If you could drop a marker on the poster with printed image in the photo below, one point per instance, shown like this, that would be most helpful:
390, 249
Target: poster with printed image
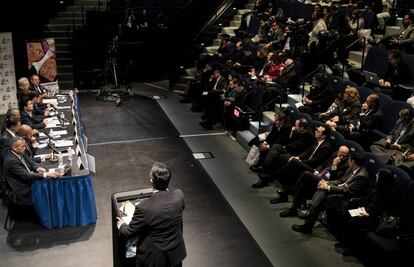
41, 59
7, 74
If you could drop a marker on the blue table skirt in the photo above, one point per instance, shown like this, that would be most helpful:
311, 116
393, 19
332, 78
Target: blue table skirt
64, 201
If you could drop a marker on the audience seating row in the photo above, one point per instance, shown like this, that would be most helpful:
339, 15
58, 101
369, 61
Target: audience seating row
381, 247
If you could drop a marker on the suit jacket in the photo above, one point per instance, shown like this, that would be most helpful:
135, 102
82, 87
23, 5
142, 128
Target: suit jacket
371, 121
4, 145
158, 223
19, 178
279, 135
221, 85
406, 35
299, 143
336, 174
321, 99
407, 139
358, 185
34, 121
319, 156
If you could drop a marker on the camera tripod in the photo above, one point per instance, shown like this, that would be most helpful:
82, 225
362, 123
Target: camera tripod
112, 93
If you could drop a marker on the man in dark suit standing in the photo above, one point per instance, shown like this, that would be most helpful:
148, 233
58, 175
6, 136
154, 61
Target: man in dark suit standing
354, 183
20, 172
158, 223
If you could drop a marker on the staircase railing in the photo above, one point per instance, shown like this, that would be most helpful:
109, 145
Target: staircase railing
216, 15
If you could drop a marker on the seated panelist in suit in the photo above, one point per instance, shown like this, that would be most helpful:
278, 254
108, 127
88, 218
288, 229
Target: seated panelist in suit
19, 172
28, 117
36, 86
158, 223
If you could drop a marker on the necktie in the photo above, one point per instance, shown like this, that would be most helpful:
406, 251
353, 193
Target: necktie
325, 171
348, 178
25, 164
314, 151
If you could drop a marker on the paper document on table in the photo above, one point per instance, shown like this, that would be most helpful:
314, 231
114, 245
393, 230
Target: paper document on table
40, 146
53, 120
63, 132
64, 107
63, 143
52, 125
52, 101
356, 212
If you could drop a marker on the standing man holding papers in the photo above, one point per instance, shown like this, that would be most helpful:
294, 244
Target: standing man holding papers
158, 224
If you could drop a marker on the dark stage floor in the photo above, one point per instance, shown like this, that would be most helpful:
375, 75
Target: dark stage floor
126, 141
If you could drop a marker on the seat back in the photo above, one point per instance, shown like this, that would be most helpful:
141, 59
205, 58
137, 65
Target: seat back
385, 101
306, 116
353, 146
337, 139
336, 83
408, 61
364, 92
391, 115
377, 60
373, 163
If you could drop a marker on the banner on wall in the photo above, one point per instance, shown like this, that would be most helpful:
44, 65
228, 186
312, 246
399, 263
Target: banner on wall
7, 74
41, 57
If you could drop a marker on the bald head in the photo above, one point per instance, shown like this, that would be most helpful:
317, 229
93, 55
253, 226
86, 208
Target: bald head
25, 131
344, 150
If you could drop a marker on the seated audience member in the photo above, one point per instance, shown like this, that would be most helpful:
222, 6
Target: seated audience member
397, 73
404, 39
299, 140
306, 161
26, 132
216, 87
399, 140
275, 37
332, 169
195, 88
278, 134
348, 110
382, 201
225, 108
360, 130
27, 116
19, 172
225, 50
319, 98
332, 109
288, 81
354, 183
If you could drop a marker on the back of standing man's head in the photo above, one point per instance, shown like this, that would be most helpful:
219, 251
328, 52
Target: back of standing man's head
160, 176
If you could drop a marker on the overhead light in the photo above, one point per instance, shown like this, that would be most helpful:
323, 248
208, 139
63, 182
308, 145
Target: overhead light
61, 2
181, 67
202, 44
234, 8
220, 24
